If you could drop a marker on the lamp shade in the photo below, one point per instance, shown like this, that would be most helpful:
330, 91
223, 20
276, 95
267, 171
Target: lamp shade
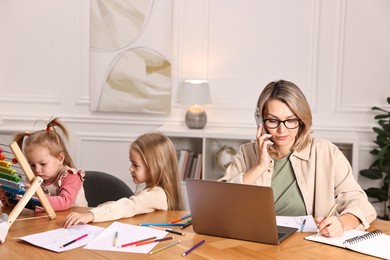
194, 92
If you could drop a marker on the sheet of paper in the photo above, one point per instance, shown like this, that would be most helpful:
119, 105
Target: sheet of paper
127, 233
54, 239
296, 222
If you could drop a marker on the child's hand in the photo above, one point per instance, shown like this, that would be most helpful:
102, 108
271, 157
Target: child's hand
4, 199
78, 218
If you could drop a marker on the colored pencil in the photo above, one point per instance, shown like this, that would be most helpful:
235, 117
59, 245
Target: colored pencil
138, 241
162, 224
153, 241
303, 225
164, 247
74, 240
181, 218
192, 248
169, 230
186, 225
115, 238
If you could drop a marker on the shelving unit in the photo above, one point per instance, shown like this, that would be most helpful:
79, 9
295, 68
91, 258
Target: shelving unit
210, 140
207, 141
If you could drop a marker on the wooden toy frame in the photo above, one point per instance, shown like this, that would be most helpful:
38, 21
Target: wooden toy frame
35, 187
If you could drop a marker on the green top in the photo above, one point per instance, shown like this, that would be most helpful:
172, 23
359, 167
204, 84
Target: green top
287, 196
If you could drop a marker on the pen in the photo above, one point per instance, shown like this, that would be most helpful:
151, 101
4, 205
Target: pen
153, 241
303, 225
332, 210
163, 224
192, 248
165, 247
74, 240
138, 241
115, 238
169, 230
181, 218
186, 225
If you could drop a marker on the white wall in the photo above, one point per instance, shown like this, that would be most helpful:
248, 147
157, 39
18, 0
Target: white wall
337, 51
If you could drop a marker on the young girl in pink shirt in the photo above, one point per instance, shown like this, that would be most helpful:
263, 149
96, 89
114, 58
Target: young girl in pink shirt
48, 158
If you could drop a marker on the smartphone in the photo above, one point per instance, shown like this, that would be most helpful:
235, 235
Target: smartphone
259, 121
258, 117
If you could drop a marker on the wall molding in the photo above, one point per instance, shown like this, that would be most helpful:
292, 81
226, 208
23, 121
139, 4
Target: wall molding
314, 54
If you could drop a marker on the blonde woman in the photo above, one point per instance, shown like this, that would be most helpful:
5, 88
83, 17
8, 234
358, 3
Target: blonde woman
308, 175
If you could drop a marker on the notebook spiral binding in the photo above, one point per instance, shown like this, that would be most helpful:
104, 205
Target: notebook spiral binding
363, 237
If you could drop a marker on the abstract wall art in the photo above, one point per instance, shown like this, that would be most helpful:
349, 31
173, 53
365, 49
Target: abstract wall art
130, 53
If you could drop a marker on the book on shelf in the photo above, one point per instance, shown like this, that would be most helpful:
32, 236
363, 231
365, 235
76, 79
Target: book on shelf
193, 167
188, 164
198, 168
182, 161
373, 243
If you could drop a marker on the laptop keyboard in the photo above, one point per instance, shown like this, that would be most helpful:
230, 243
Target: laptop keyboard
280, 235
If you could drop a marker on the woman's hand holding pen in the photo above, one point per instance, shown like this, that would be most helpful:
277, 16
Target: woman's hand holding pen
330, 227
335, 226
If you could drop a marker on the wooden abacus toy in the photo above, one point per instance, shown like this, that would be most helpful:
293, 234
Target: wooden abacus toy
10, 182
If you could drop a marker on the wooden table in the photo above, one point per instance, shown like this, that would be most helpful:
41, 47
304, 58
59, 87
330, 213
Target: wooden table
295, 247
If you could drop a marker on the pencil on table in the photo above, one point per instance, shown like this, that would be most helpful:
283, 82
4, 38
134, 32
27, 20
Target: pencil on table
74, 240
164, 247
192, 248
169, 230
186, 225
138, 241
162, 224
153, 241
303, 225
115, 238
181, 218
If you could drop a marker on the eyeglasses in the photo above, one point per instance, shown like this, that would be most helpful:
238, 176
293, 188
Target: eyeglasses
289, 123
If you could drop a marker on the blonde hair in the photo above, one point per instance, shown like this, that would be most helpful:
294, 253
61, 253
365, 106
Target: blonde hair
159, 154
288, 93
48, 138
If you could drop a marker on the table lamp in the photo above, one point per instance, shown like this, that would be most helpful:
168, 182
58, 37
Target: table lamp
195, 93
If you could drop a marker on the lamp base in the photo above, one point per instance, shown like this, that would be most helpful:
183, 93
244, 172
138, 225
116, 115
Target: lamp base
196, 120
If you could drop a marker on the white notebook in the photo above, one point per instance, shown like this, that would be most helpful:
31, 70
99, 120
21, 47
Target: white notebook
373, 243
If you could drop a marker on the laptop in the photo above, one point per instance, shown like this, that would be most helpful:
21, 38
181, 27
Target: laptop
237, 211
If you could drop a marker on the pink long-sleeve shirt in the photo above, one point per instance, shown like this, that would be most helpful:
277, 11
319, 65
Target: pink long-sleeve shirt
67, 190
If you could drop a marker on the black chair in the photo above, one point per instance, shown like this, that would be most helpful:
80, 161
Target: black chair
101, 187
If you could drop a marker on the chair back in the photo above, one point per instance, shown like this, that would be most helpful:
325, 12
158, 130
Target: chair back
100, 187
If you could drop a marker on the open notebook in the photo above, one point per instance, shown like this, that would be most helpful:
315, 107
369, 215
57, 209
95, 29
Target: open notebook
373, 243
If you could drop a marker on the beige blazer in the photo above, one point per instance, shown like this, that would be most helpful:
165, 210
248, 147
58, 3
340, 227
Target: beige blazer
323, 174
